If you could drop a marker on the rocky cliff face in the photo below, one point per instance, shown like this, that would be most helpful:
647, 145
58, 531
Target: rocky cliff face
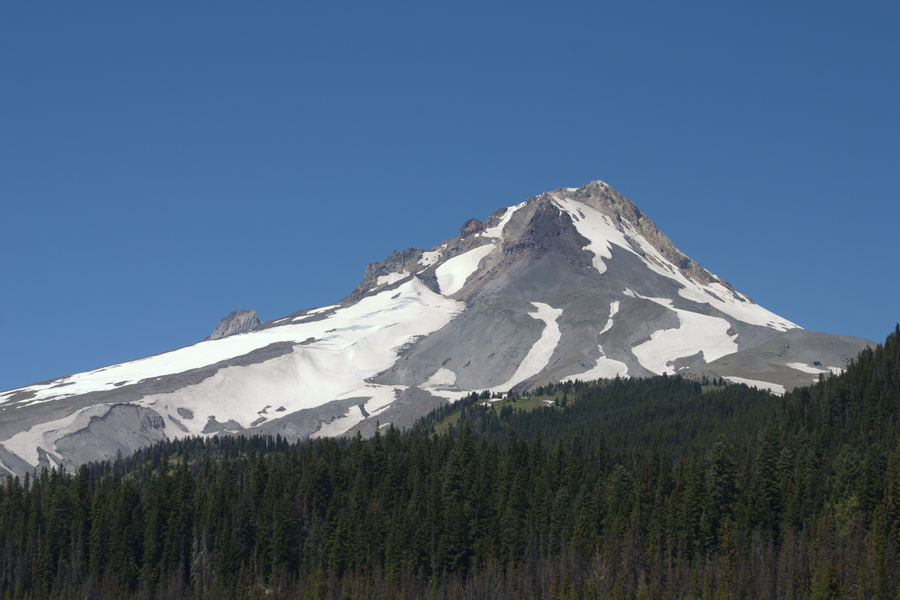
240, 321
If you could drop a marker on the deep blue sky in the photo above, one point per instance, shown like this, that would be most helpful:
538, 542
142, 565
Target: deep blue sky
162, 164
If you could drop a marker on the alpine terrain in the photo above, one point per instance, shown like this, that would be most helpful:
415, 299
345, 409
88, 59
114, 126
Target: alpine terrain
571, 284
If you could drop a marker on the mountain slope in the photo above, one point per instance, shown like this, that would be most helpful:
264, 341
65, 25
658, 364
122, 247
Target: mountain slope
576, 283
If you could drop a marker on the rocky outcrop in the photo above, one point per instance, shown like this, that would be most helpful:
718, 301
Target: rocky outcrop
398, 263
240, 321
471, 226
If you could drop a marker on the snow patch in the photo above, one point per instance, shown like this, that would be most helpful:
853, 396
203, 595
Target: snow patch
805, 368
350, 346
695, 333
443, 377
497, 230
44, 435
597, 228
429, 258
601, 232
452, 275
613, 309
316, 311
340, 425
732, 305
391, 278
382, 397
776, 389
539, 355
606, 368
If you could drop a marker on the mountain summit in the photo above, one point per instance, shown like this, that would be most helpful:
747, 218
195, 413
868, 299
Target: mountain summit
574, 283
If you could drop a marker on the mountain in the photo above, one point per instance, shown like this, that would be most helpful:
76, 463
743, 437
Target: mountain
571, 284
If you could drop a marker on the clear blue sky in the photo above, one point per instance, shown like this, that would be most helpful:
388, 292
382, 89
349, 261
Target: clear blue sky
165, 163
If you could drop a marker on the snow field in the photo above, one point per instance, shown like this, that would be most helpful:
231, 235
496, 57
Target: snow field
429, 258
339, 426
613, 309
606, 368
599, 229
539, 355
351, 345
442, 377
696, 333
452, 275
497, 231
746, 311
805, 368
391, 278
322, 309
25, 443
596, 227
733, 305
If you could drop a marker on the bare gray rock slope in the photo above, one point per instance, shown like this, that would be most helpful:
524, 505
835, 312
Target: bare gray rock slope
574, 283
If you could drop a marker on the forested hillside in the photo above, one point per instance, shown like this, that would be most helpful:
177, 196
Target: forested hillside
659, 488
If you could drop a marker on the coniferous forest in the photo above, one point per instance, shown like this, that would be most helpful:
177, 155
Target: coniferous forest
656, 488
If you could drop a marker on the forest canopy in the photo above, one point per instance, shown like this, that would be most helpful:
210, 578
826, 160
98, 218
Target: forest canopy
639, 488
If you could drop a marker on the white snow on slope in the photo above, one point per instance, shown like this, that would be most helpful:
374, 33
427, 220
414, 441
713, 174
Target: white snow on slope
733, 304
763, 385
539, 355
725, 301
347, 324
339, 426
443, 377
805, 368
321, 309
350, 345
606, 368
391, 278
431, 257
497, 230
599, 229
25, 443
452, 275
613, 309
596, 227
695, 333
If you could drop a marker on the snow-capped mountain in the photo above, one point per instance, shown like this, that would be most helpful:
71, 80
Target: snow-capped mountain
572, 284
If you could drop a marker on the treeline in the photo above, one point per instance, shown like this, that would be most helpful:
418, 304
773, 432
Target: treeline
626, 492
677, 414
